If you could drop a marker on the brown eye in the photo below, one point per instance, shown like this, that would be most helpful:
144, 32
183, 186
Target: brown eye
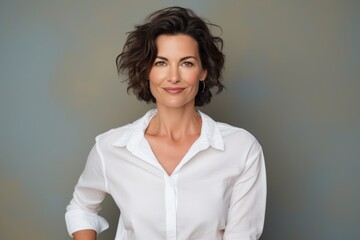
160, 63
188, 64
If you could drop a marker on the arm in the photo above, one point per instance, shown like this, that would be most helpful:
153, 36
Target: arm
85, 235
82, 212
247, 205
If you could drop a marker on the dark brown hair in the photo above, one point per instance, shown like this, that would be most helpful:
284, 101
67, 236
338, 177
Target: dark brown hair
140, 51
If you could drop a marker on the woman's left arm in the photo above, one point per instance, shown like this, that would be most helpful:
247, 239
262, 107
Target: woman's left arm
247, 205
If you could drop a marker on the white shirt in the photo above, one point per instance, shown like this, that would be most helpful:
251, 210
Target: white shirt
217, 191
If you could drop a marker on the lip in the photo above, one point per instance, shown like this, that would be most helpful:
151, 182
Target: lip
173, 90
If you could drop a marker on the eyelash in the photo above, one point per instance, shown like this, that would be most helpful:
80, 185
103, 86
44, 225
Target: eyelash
188, 64
159, 63
163, 63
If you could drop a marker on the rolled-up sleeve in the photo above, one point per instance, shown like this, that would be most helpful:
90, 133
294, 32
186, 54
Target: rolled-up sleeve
247, 205
89, 192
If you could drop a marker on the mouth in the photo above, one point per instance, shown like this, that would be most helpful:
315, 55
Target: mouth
173, 90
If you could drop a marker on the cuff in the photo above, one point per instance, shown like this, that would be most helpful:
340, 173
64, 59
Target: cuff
78, 219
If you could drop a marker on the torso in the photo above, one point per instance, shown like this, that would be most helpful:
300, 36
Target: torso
148, 199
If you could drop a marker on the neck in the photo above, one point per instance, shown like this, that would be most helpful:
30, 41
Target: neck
175, 123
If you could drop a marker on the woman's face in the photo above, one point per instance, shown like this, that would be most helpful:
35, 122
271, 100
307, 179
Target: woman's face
176, 72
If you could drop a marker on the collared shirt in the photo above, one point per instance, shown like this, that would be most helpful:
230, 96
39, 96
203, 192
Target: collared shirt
217, 191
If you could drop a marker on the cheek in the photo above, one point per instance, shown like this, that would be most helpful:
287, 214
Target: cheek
151, 76
157, 75
153, 90
192, 78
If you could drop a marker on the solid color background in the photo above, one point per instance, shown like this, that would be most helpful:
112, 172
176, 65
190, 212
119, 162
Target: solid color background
292, 77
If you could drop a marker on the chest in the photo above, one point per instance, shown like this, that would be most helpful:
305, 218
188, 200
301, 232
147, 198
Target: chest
196, 197
194, 200
170, 153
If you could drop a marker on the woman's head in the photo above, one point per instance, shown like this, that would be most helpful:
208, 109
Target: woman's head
140, 51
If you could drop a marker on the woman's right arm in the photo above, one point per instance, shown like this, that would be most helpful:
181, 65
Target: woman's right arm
87, 234
82, 219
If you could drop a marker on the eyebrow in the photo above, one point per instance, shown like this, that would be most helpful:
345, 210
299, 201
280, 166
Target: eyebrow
181, 59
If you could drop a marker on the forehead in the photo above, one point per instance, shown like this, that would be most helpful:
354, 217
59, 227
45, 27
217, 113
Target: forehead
179, 44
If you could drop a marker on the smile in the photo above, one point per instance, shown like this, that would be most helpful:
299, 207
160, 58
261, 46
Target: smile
174, 90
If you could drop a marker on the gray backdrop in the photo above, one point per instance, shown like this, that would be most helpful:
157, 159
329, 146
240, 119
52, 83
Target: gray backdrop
292, 77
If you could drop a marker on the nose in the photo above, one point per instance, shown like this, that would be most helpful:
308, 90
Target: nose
174, 75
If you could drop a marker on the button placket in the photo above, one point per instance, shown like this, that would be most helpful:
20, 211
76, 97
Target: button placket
170, 202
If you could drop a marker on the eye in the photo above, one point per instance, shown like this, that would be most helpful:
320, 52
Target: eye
160, 63
187, 64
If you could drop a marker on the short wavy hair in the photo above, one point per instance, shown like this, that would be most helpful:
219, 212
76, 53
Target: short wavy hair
140, 51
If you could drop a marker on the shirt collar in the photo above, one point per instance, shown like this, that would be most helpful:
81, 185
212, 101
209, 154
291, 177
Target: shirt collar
210, 132
131, 135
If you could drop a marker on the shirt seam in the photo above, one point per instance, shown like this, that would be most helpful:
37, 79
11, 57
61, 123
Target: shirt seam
255, 142
103, 165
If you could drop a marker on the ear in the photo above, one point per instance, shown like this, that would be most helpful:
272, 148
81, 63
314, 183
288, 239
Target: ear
203, 74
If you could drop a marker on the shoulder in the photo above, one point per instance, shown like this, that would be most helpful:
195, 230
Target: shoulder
233, 135
228, 130
114, 134
229, 134
120, 136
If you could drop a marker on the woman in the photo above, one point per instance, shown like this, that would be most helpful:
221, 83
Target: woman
174, 173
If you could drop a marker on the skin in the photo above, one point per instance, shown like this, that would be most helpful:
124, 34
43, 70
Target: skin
87, 234
174, 82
